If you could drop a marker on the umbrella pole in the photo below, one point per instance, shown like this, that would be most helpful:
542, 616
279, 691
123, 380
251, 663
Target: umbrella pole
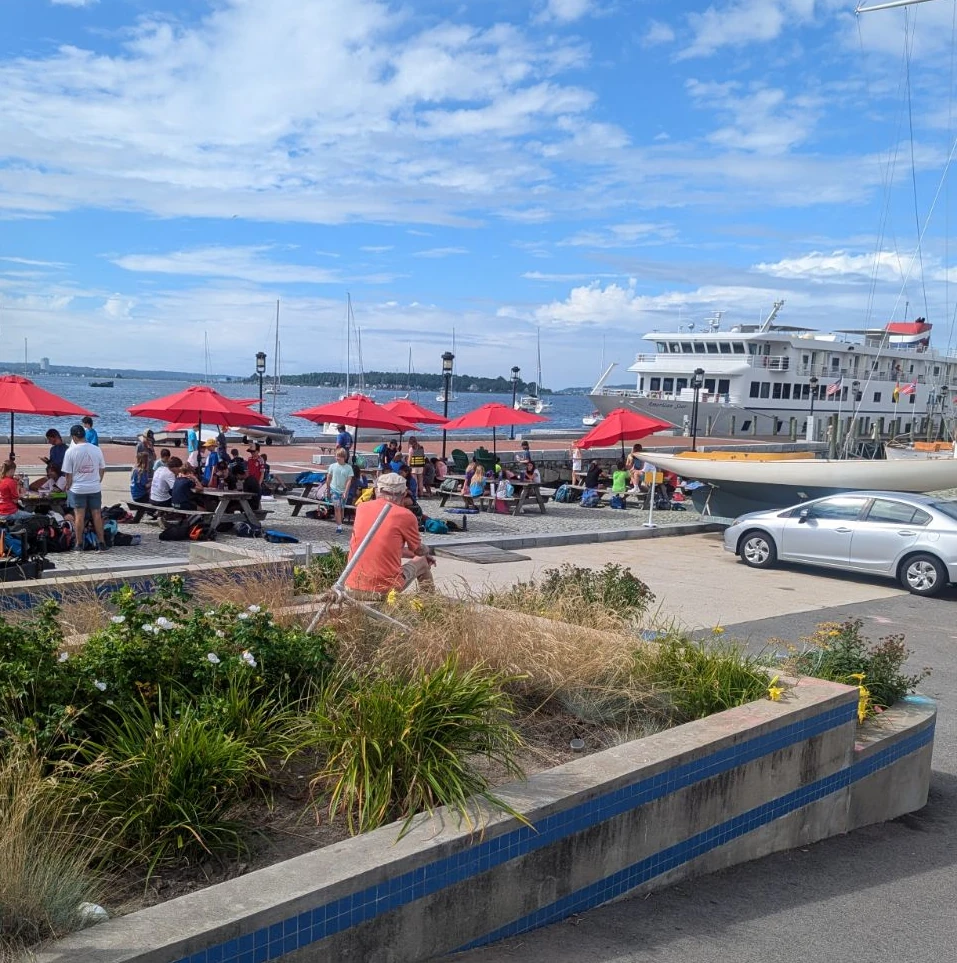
494, 446
13, 454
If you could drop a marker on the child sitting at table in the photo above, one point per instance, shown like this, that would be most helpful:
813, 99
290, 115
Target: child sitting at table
52, 481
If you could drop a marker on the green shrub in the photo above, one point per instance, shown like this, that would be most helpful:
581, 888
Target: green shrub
691, 679
163, 784
395, 746
321, 573
45, 856
606, 598
838, 652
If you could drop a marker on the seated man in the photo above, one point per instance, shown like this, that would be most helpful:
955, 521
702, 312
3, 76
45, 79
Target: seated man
396, 557
593, 476
53, 481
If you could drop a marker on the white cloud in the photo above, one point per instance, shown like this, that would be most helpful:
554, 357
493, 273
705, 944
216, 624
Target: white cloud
74, 3
376, 248
621, 235
364, 117
658, 33
839, 265
30, 262
246, 263
436, 252
565, 11
118, 307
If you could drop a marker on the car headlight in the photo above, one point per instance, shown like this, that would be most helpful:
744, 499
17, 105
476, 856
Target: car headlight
737, 521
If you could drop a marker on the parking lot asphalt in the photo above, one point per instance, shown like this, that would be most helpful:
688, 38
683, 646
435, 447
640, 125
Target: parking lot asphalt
883, 892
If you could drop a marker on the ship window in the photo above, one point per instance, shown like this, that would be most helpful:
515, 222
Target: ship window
907, 427
655, 384
724, 386
805, 392
752, 348
674, 347
755, 387
641, 384
699, 347
746, 425
712, 347
765, 389
681, 384
911, 369
844, 394
912, 398
686, 347
668, 385
725, 348
786, 392
877, 396
835, 363
737, 347
709, 386
776, 393
936, 369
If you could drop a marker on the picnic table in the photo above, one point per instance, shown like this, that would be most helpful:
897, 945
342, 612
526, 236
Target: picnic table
525, 490
224, 497
624, 496
32, 500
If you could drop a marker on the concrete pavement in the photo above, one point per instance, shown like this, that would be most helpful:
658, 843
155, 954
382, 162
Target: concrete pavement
885, 892
695, 581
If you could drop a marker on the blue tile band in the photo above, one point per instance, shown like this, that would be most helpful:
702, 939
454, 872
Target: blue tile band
279, 939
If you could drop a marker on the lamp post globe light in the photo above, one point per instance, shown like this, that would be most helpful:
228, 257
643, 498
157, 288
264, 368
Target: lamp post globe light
515, 373
697, 383
447, 360
809, 435
260, 371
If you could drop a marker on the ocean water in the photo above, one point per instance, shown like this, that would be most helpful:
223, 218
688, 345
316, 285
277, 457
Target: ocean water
110, 404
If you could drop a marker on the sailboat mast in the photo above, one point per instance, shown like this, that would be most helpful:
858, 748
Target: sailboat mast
538, 377
275, 368
349, 321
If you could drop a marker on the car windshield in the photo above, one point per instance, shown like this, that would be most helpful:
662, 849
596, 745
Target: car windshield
947, 508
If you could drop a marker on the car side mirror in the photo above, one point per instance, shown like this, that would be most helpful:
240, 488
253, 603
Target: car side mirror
803, 515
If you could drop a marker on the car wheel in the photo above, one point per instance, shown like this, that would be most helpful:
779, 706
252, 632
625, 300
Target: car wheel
923, 574
268, 441
757, 549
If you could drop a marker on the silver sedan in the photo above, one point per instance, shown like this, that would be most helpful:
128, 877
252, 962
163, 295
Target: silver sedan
911, 538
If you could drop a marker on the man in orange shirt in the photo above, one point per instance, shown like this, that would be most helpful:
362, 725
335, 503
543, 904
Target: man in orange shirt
396, 557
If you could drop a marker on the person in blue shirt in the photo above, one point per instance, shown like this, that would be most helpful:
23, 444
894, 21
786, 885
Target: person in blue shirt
212, 460
57, 448
92, 438
344, 439
192, 439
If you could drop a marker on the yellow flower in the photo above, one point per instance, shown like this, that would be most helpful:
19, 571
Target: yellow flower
417, 604
833, 633
863, 703
857, 675
775, 691
717, 630
391, 598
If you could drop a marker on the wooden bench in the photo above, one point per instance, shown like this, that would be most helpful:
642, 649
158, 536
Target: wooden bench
624, 496
297, 501
141, 508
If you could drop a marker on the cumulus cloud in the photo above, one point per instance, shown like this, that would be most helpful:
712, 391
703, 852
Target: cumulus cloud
565, 11
658, 33
621, 235
437, 252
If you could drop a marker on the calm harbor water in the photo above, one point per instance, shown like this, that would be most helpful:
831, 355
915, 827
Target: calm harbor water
110, 404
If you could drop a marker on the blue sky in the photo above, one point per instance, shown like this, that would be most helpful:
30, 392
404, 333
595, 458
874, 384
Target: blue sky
593, 168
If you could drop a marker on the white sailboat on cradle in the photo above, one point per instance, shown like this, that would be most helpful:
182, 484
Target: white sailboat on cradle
532, 401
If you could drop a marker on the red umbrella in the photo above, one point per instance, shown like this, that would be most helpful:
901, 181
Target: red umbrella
20, 396
414, 412
493, 415
360, 411
622, 425
196, 403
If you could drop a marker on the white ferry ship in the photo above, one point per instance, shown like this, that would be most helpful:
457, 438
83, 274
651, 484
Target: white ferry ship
756, 377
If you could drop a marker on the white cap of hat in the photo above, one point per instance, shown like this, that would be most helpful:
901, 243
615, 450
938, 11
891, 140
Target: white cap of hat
391, 484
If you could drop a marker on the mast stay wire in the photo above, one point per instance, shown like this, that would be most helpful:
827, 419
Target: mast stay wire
910, 31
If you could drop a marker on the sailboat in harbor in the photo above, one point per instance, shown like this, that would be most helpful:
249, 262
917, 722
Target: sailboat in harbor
532, 400
274, 432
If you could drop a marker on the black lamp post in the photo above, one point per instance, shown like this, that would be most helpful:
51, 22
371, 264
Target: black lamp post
810, 421
260, 371
856, 389
515, 373
697, 383
447, 359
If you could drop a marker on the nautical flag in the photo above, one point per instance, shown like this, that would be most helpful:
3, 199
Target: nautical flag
834, 388
908, 389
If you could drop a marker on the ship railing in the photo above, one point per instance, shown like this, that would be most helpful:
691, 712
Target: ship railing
772, 362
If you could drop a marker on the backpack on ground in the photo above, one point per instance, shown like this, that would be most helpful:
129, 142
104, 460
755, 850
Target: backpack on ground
450, 485
117, 512
177, 532
122, 539
12, 546
110, 529
435, 526
616, 501
590, 499
248, 530
279, 538
565, 493
201, 532
64, 538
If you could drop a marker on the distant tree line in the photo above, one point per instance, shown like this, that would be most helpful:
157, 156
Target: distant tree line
402, 382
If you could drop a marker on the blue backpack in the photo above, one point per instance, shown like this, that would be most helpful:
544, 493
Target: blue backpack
435, 526
616, 502
590, 499
565, 493
282, 538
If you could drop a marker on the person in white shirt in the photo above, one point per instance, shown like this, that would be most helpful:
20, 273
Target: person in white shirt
161, 488
55, 481
84, 467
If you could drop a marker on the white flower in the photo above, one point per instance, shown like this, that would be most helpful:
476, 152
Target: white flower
63, 656
220, 634
212, 657
164, 623
249, 659
209, 613
147, 627
243, 615
254, 608
100, 685
118, 619
109, 702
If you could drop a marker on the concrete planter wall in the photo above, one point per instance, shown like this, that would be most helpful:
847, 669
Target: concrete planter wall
736, 786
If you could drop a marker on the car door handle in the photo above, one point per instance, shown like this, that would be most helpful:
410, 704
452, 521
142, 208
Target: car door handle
905, 532
844, 531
